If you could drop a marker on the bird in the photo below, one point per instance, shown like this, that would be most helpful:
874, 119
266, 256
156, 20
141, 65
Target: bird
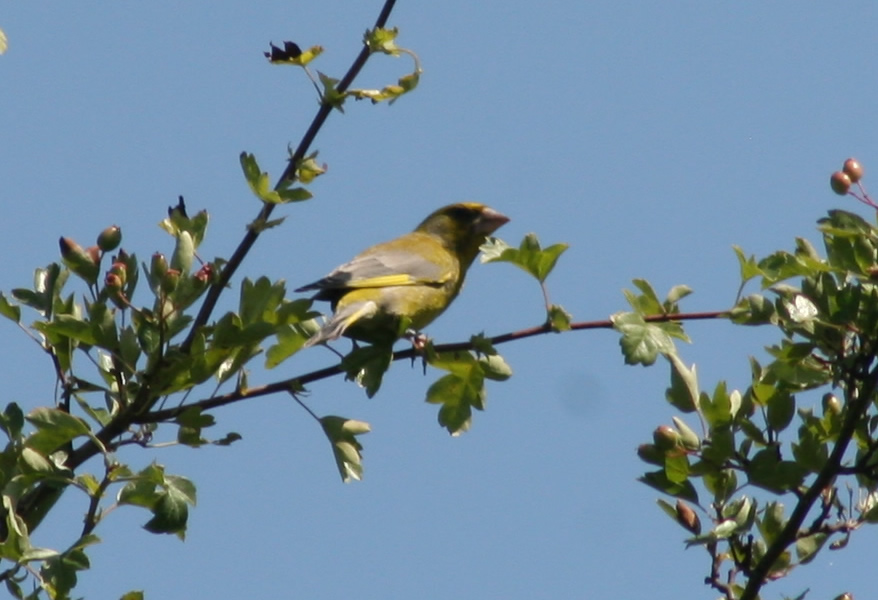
398, 287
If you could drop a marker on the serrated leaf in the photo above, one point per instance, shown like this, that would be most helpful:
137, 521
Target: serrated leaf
346, 449
259, 181
367, 365
808, 546
641, 342
170, 514
529, 256
9, 310
559, 319
54, 429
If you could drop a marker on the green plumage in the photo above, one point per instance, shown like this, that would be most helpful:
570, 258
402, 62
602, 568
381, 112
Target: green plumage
407, 282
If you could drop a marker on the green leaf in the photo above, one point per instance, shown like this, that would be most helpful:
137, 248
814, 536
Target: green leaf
331, 96
658, 480
647, 303
677, 293
12, 421
559, 319
259, 181
381, 39
132, 595
768, 471
290, 340
641, 342
772, 522
808, 546
346, 449
683, 393
68, 326
529, 256
748, 267
9, 310
367, 366
296, 194
676, 467
54, 429
495, 368
170, 514
461, 390
184, 253
781, 408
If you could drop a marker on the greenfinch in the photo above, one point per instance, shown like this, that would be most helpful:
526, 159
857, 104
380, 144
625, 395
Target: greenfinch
404, 284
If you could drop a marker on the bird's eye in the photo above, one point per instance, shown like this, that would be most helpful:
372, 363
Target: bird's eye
463, 214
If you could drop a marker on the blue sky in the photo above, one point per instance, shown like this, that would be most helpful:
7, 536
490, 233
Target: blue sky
651, 137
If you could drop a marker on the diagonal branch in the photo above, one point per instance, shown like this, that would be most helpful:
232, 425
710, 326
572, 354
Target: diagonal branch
33, 506
252, 234
858, 401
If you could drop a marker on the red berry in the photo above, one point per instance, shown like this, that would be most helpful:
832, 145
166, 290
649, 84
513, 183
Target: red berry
840, 183
853, 169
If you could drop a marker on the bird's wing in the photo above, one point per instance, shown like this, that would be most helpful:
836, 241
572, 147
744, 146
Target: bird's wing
385, 265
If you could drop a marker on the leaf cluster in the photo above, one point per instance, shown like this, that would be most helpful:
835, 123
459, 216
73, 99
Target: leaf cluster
748, 451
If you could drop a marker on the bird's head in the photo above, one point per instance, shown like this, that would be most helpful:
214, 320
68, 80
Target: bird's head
463, 227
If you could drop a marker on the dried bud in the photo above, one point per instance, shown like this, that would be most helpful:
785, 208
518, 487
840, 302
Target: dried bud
853, 169
666, 438
687, 518
840, 183
110, 238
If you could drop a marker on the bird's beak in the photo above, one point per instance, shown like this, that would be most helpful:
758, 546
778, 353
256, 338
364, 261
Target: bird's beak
490, 221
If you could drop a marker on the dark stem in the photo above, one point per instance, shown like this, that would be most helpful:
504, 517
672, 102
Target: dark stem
295, 383
859, 398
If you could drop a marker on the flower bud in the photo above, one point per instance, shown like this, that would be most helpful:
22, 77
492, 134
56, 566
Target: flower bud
113, 285
120, 270
649, 453
80, 261
170, 280
831, 404
94, 253
158, 266
110, 238
113, 281
666, 438
853, 169
840, 183
687, 518
688, 437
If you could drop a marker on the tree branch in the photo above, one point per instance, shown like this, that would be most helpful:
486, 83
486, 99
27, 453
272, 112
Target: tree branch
858, 401
33, 506
252, 234
294, 383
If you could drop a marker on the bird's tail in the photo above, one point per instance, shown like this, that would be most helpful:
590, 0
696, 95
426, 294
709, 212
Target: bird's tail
341, 320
